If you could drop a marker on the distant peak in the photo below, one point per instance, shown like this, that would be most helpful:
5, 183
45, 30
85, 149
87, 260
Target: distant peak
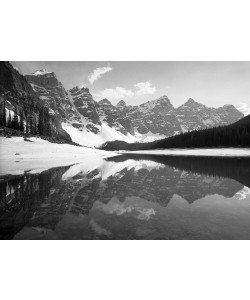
105, 101
164, 97
228, 106
192, 102
79, 88
121, 103
82, 86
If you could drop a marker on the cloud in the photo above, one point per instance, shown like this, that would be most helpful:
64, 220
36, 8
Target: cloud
113, 94
98, 73
244, 108
139, 89
144, 88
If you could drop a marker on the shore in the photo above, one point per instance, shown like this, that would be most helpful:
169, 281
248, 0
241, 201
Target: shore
209, 152
19, 155
34, 155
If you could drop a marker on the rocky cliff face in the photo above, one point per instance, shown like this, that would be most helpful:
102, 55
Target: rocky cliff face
194, 116
17, 94
115, 116
75, 107
154, 116
160, 117
86, 108
52, 93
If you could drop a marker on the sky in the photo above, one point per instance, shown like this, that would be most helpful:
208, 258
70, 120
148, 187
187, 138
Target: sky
211, 83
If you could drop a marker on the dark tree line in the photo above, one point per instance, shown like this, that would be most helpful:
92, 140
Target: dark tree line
28, 118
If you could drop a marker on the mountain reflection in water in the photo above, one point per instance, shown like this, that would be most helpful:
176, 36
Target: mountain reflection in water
130, 197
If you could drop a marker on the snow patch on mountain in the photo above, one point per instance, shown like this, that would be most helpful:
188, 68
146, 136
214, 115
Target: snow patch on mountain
86, 137
41, 72
148, 137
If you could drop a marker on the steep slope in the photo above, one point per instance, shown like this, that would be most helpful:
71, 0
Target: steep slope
115, 116
76, 110
194, 116
155, 117
22, 108
52, 93
159, 117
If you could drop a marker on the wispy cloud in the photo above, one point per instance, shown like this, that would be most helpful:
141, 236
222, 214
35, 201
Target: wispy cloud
98, 73
117, 93
144, 88
244, 108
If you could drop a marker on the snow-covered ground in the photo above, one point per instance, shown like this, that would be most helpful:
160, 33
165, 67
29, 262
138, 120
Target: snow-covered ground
18, 156
229, 152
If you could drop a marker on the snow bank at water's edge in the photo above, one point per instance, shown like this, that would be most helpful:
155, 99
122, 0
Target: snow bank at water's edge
37, 155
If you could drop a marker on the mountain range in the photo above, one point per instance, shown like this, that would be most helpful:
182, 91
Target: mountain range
74, 115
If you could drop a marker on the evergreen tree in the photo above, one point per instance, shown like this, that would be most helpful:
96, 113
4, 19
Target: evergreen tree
15, 124
21, 126
41, 122
4, 113
9, 121
30, 121
47, 125
27, 121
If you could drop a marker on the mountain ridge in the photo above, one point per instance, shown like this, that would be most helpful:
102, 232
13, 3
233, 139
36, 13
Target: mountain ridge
153, 119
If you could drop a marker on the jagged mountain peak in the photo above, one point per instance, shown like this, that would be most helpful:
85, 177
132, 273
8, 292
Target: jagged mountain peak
105, 101
79, 88
162, 101
164, 97
230, 106
191, 103
121, 104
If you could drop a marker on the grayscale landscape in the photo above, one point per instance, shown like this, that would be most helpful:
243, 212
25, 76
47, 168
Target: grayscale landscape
124, 150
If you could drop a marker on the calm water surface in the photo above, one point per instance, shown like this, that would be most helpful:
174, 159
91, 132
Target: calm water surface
130, 197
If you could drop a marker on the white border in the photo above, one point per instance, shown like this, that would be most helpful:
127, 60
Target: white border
124, 30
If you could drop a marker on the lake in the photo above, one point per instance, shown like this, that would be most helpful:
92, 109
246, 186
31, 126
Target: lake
130, 197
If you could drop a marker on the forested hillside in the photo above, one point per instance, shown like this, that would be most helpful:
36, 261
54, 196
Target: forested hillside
234, 135
21, 109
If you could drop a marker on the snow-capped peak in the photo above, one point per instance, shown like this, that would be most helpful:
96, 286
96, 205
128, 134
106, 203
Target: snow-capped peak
82, 86
41, 72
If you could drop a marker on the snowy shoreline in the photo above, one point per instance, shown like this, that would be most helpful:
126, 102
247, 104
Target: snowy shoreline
18, 156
